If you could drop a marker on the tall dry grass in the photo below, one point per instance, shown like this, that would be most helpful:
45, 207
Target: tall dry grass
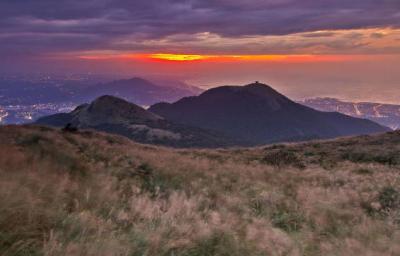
94, 194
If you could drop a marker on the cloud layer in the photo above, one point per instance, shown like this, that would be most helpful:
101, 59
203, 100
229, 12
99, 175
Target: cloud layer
34, 27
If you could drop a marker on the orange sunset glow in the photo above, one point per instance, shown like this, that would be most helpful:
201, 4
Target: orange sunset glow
191, 57
342, 49
173, 57
262, 58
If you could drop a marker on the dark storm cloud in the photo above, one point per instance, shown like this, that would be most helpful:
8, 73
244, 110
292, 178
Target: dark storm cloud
66, 25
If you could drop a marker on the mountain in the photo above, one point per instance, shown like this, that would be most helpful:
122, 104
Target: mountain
60, 90
384, 114
143, 92
173, 83
25, 99
115, 115
259, 114
91, 193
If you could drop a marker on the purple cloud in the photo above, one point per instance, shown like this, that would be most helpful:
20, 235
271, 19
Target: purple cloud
66, 25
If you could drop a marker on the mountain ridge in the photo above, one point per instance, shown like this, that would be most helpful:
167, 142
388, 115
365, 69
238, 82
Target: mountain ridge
249, 115
114, 115
260, 114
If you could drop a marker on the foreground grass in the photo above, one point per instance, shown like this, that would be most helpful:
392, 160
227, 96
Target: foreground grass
95, 194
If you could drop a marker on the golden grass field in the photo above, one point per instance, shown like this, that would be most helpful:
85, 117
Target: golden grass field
90, 193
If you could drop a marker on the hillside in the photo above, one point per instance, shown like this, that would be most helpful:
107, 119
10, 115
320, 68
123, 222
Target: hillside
90, 193
384, 114
259, 114
117, 116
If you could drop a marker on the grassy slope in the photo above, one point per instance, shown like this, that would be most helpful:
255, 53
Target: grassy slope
97, 194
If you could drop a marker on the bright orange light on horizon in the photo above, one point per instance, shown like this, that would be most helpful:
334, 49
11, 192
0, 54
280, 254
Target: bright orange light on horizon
179, 57
200, 57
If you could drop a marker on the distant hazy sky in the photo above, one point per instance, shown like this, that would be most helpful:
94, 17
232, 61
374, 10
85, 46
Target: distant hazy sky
344, 48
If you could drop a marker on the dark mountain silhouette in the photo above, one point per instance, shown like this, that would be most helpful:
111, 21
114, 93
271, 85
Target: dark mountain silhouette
259, 114
142, 92
115, 115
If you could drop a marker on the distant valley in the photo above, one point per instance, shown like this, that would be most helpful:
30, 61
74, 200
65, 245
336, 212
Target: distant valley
384, 114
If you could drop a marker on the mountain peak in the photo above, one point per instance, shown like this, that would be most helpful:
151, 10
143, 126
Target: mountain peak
259, 114
262, 90
107, 102
138, 79
105, 99
110, 109
257, 84
255, 88
120, 105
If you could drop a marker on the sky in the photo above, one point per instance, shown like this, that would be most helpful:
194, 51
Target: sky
304, 48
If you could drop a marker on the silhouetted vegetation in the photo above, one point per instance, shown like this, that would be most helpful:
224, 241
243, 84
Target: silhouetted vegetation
283, 157
69, 128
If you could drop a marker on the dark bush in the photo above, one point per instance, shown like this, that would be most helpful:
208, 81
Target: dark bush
282, 158
387, 158
364, 171
157, 183
287, 217
219, 244
389, 198
29, 140
69, 128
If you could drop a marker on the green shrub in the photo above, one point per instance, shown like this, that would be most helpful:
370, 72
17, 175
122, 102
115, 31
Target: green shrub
114, 140
74, 165
219, 244
387, 158
389, 198
389, 201
70, 139
309, 154
287, 218
282, 158
258, 207
155, 182
327, 164
29, 140
364, 171
337, 223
